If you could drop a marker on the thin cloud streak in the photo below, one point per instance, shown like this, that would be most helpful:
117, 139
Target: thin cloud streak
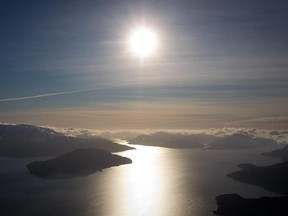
46, 95
59, 93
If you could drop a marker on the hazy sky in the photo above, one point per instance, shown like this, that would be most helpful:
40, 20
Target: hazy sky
220, 63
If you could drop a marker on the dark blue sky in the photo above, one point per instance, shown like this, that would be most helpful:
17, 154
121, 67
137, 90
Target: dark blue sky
222, 63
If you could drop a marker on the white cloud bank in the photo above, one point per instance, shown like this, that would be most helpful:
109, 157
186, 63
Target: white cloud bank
277, 136
224, 135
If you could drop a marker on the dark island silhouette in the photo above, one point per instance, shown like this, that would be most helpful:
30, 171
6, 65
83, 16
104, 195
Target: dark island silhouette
80, 162
33, 141
235, 205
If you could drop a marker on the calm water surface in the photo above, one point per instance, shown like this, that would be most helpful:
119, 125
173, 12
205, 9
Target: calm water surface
160, 182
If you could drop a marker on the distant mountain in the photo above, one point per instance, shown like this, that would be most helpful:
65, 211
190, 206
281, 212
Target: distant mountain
178, 140
235, 205
273, 178
240, 141
79, 162
29, 141
172, 140
279, 153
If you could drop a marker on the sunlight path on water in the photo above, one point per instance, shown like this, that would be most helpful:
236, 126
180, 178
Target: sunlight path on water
143, 185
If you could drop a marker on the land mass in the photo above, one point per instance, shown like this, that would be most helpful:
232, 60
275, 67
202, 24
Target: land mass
80, 162
185, 140
33, 141
278, 153
273, 178
240, 141
172, 140
235, 205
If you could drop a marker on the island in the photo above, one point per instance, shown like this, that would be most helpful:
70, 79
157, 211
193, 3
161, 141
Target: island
80, 162
235, 205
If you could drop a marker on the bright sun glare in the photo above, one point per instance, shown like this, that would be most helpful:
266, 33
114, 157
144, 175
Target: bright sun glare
143, 42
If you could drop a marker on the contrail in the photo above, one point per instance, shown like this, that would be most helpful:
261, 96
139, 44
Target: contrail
56, 93
65, 92
47, 95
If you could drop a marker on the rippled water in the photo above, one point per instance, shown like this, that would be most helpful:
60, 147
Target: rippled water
160, 181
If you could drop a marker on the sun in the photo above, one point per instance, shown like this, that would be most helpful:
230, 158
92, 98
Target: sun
143, 42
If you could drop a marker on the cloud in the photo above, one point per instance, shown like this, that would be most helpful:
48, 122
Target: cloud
49, 94
254, 136
65, 92
251, 137
274, 133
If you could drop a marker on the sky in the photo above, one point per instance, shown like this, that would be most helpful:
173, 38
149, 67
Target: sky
66, 63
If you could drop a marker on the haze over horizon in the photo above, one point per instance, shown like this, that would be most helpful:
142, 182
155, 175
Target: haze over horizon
218, 64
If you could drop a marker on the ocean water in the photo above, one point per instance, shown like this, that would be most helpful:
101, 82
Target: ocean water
159, 182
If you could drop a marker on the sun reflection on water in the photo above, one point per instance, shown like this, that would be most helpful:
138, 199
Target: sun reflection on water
146, 187
139, 183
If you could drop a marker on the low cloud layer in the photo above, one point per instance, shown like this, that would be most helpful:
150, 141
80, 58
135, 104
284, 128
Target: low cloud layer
223, 136
252, 136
